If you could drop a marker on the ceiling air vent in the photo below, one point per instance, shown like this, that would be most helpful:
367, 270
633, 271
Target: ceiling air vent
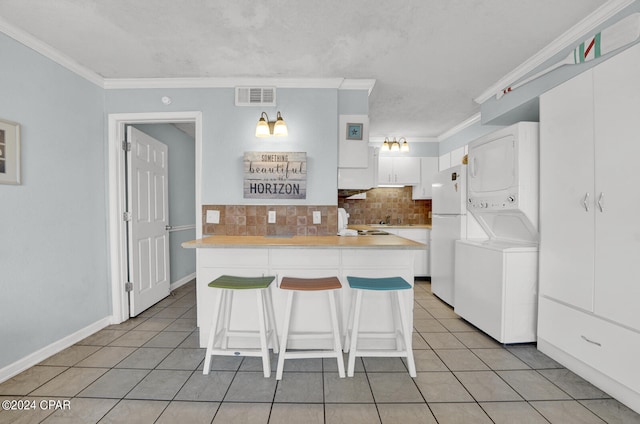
255, 96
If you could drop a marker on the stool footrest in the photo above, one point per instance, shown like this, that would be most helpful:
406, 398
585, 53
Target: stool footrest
237, 352
292, 354
310, 336
381, 353
378, 335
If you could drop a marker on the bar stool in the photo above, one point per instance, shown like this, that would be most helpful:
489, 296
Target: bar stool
294, 285
227, 284
394, 285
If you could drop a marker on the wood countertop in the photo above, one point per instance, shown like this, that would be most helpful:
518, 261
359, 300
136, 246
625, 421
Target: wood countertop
336, 242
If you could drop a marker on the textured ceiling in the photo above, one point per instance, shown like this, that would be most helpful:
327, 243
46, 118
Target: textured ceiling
430, 58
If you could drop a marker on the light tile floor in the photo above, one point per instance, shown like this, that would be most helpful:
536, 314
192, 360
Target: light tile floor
149, 370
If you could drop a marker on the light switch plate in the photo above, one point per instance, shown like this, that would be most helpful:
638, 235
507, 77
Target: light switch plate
317, 218
213, 217
272, 217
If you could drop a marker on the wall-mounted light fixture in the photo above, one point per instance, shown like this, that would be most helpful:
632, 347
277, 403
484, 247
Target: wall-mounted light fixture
395, 146
265, 128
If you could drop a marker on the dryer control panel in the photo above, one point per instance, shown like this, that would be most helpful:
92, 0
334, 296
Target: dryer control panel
489, 203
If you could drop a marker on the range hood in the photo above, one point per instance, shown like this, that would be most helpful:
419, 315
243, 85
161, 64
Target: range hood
342, 193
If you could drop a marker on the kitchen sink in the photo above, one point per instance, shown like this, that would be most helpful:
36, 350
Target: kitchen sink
390, 225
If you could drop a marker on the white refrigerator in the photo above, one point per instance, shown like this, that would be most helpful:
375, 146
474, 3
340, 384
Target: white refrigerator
449, 222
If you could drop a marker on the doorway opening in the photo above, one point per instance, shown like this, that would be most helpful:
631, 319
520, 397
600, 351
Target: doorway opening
117, 189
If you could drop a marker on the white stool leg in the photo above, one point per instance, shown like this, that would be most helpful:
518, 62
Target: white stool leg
273, 336
354, 334
266, 362
336, 332
228, 302
408, 334
212, 330
284, 336
352, 308
396, 319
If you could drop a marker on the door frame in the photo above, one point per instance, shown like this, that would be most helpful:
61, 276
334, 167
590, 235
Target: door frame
117, 195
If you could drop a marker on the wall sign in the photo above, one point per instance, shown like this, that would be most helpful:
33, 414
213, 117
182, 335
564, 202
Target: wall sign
354, 131
275, 175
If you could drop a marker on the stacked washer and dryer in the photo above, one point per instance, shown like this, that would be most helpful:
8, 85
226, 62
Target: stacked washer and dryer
496, 278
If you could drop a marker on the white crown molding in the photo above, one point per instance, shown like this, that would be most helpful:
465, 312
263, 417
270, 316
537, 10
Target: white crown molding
380, 139
49, 52
358, 84
65, 61
338, 83
461, 126
568, 39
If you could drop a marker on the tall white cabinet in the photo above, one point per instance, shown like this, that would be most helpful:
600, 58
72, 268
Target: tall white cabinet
589, 309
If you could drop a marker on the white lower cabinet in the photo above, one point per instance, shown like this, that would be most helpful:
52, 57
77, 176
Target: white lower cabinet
312, 308
610, 349
421, 235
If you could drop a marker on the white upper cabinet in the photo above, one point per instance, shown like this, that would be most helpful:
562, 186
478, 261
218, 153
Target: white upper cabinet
360, 178
398, 170
428, 169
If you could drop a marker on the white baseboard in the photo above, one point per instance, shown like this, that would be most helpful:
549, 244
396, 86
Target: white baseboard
182, 281
50, 350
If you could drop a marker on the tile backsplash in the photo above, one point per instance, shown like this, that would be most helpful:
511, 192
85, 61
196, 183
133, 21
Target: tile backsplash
383, 202
251, 220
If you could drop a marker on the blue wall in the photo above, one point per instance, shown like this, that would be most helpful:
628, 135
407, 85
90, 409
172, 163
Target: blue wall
54, 259
53, 227
229, 131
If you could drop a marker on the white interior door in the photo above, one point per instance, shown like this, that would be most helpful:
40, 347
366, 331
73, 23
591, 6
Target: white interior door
149, 212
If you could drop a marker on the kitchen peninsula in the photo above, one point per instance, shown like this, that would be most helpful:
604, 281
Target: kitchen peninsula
306, 257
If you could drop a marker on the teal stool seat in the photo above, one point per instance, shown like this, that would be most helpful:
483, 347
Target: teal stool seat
218, 342
386, 283
402, 334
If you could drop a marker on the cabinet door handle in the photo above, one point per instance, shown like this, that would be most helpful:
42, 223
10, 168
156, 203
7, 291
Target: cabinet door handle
601, 201
585, 202
590, 341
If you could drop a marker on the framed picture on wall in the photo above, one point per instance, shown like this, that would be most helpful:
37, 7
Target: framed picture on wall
354, 131
9, 152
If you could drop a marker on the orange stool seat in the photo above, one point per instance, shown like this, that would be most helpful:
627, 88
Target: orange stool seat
294, 285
